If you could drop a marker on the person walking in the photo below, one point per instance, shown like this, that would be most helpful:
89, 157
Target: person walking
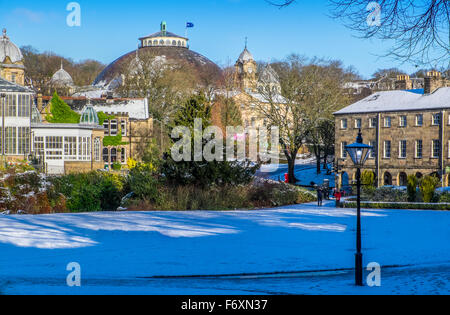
338, 196
319, 197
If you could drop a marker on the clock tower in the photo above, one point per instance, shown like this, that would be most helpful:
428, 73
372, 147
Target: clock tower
246, 71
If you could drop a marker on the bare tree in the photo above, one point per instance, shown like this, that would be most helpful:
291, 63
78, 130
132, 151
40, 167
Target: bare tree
165, 84
311, 91
283, 109
420, 29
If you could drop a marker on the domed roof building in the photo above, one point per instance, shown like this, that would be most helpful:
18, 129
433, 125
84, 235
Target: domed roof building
61, 82
245, 71
62, 78
11, 61
164, 46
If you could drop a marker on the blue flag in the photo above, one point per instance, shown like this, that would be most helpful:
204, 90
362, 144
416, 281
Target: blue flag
189, 25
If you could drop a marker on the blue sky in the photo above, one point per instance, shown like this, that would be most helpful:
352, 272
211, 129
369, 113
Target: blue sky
111, 28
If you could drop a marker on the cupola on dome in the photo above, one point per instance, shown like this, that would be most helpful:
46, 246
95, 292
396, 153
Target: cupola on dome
8, 49
62, 77
245, 56
89, 116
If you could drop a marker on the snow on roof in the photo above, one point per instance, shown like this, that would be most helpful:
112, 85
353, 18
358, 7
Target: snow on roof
390, 101
136, 109
7, 86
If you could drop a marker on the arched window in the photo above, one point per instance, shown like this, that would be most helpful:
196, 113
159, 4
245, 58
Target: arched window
97, 149
168, 42
403, 179
387, 179
113, 155
179, 43
155, 42
149, 43
161, 42
174, 43
105, 155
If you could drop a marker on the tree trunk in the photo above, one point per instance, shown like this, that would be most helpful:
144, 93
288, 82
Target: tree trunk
291, 156
291, 171
318, 159
325, 160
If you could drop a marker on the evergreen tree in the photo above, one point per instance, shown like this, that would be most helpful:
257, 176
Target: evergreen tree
202, 173
230, 112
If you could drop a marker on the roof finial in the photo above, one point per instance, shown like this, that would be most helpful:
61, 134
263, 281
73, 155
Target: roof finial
4, 33
246, 41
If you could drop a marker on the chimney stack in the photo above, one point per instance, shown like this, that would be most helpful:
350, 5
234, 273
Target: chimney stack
403, 82
434, 81
39, 102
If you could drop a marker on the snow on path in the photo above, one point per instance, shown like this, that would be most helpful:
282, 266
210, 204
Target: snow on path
129, 245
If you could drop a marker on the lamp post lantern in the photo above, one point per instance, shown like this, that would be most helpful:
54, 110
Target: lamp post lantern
359, 153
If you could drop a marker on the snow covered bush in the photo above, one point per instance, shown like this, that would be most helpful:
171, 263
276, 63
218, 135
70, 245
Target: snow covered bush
385, 194
26, 192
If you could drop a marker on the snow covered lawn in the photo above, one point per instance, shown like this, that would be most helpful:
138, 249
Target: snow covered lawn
135, 252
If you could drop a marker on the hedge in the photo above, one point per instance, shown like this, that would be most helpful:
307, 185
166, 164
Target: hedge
398, 205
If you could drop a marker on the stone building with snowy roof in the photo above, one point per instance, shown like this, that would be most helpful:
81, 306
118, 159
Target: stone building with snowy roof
128, 125
410, 132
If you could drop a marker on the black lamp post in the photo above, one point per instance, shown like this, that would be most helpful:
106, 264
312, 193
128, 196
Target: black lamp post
359, 152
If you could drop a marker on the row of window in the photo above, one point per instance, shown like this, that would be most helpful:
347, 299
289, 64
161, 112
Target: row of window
112, 127
67, 148
387, 123
16, 140
161, 42
402, 149
17, 105
110, 155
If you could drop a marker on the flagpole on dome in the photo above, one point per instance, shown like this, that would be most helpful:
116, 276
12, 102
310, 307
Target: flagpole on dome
188, 25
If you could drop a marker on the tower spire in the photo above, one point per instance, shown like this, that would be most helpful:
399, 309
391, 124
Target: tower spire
246, 42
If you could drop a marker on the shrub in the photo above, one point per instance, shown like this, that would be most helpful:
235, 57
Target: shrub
131, 163
402, 206
116, 166
445, 198
142, 181
306, 196
95, 191
428, 187
386, 194
412, 188
368, 181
